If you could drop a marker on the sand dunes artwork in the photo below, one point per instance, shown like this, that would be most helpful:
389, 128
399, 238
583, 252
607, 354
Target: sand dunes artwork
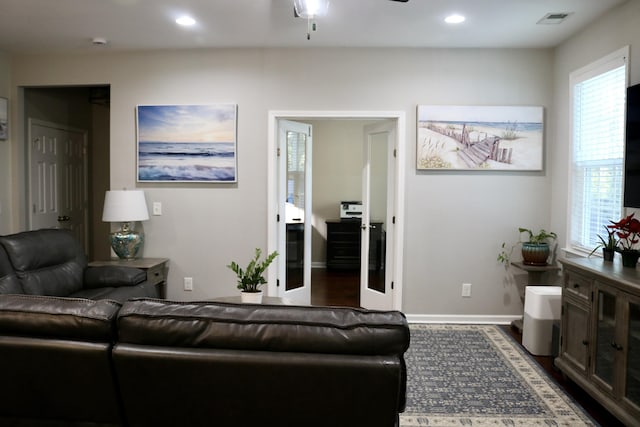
480, 138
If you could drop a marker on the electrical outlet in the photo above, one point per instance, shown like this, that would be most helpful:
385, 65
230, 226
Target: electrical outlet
188, 283
466, 290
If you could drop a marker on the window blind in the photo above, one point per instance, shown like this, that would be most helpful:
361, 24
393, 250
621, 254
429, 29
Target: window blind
597, 169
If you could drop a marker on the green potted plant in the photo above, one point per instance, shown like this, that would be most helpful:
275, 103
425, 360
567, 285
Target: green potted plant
251, 278
535, 250
608, 244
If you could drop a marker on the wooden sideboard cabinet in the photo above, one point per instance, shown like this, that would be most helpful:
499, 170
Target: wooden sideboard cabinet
343, 245
600, 333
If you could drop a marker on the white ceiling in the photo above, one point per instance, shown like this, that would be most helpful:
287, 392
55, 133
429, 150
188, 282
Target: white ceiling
70, 25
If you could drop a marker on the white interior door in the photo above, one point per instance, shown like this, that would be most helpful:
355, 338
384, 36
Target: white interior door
378, 231
58, 178
294, 200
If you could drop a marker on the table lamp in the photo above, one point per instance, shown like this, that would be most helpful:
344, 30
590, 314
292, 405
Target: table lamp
125, 207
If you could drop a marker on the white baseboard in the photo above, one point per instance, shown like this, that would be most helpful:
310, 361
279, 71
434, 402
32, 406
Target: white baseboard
462, 318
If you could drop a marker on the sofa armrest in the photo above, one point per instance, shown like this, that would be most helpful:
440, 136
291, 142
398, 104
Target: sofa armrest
113, 276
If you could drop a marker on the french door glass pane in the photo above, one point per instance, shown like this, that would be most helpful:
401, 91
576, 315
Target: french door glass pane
378, 211
296, 170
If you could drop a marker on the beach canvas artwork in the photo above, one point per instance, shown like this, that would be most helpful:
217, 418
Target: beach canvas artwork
480, 138
188, 143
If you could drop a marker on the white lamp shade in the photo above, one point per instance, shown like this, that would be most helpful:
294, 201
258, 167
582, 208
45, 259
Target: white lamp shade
124, 206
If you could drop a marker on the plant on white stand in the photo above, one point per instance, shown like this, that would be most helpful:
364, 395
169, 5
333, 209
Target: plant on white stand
250, 278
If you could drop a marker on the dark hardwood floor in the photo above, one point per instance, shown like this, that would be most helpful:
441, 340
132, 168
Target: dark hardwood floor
595, 409
335, 288
342, 288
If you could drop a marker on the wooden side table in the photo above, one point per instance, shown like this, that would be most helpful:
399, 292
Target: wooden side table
156, 269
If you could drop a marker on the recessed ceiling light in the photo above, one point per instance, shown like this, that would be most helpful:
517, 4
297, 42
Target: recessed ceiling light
454, 19
186, 21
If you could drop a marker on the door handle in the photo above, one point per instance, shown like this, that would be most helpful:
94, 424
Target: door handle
64, 218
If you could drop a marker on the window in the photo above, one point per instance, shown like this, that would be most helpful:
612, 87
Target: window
597, 163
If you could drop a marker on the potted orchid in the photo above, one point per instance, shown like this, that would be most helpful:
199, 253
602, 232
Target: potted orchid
628, 232
250, 278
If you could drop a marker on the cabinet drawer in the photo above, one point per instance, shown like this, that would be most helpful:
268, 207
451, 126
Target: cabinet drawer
577, 284
155, 274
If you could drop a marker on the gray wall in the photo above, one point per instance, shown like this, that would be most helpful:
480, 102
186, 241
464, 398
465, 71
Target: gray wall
455, 222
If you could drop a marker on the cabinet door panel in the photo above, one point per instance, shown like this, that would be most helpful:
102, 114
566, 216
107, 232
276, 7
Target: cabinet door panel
575, 333
632, 377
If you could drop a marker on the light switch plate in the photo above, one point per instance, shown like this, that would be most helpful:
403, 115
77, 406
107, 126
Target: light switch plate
157, 208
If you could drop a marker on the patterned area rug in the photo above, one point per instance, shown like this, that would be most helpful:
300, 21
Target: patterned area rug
474, 375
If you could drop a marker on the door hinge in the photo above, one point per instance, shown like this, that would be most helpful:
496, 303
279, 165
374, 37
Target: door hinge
395, 152
392, 285
562, 311
393, 219
591, 296
278, 151
277, 217
277, 283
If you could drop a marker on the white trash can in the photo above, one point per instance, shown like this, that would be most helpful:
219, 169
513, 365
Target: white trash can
541, 308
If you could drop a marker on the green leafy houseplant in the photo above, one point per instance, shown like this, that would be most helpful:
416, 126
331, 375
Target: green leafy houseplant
535, 250
609, 244
250, 278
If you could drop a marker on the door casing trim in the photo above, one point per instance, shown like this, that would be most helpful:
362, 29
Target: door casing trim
399, 181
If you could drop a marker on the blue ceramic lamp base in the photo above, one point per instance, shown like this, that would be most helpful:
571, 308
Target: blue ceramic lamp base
126, 242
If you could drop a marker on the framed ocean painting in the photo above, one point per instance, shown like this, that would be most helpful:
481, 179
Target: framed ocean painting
187, 143
486, 138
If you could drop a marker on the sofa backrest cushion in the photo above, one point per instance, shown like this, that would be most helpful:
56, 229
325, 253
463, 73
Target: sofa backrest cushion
47, 261
9, 283
336, 330
57, 366
58, 318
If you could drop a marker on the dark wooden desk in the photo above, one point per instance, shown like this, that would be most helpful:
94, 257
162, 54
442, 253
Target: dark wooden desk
343, 244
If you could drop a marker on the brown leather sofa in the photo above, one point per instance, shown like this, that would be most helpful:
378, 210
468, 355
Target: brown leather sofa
52, 262
152, 362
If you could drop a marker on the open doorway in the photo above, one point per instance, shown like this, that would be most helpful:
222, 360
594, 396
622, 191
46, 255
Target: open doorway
337, 176
83, 108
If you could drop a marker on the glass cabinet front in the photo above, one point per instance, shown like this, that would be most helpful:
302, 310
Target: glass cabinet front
606, 345
632, 389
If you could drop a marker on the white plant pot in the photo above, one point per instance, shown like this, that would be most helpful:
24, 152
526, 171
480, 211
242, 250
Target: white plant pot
251, 297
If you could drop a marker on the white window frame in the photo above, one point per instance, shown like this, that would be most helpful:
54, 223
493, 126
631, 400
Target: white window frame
601, 66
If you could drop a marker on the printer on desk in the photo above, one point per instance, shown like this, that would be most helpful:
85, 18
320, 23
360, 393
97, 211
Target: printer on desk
351, 210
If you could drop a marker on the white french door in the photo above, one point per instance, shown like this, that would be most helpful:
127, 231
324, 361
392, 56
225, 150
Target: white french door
294, 207
377, 264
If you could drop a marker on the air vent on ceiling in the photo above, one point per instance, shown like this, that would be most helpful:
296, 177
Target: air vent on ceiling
554, 18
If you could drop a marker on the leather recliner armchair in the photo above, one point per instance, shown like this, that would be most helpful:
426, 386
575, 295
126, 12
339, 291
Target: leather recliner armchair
52, 262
